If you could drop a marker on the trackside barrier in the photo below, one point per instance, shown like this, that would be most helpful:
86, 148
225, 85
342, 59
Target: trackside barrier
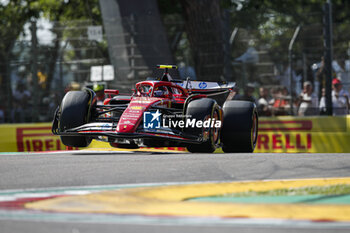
321, 134
28, 137
38, 137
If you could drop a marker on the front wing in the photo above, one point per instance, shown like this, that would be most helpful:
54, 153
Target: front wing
107, 132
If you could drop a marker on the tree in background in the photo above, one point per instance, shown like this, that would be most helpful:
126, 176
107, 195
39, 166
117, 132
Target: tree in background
14, 15
203, 24
269, 23
65, 16
272, 23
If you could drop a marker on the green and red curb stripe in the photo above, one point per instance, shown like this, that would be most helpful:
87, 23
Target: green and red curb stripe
172, 201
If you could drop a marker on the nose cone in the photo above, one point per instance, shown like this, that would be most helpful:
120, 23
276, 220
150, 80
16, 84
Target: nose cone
125, 128
133, 115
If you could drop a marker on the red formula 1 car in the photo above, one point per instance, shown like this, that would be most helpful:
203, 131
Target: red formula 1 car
161, 112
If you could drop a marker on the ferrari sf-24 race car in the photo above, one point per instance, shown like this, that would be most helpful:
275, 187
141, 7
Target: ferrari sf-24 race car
161, 112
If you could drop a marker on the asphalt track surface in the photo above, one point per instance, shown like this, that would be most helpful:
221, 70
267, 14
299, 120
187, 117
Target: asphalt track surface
31, 171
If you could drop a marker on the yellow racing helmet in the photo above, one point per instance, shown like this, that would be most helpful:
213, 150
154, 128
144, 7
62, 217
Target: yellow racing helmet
98, 87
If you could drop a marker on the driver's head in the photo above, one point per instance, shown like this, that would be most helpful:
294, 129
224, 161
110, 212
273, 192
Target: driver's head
98, 87
160, 92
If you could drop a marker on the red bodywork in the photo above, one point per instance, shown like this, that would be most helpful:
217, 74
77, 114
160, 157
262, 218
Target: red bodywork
141, 102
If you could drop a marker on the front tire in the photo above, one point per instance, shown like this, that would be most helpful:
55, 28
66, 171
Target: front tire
240, 127
73, 113
204, 109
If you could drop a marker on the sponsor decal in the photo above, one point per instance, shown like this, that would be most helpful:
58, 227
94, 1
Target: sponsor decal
37, 139
108, 126
284, 141
142, 101
137, 107
96, 126
202, 85
287, 135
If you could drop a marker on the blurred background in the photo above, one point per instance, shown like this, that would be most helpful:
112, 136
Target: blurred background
274, 50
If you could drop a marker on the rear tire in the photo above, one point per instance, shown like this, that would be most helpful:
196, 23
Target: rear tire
73, 113
240, 127
204, 109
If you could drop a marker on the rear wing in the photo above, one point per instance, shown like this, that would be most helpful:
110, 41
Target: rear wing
195, 86
204, 86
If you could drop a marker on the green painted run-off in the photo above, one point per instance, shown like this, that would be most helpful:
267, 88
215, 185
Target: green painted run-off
306, 199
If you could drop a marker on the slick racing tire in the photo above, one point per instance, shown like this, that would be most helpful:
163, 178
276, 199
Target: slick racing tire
204, 109
240, 127
73, 113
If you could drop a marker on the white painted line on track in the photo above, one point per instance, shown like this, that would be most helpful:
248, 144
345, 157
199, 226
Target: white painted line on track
38, 216
69, 152
90, 151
